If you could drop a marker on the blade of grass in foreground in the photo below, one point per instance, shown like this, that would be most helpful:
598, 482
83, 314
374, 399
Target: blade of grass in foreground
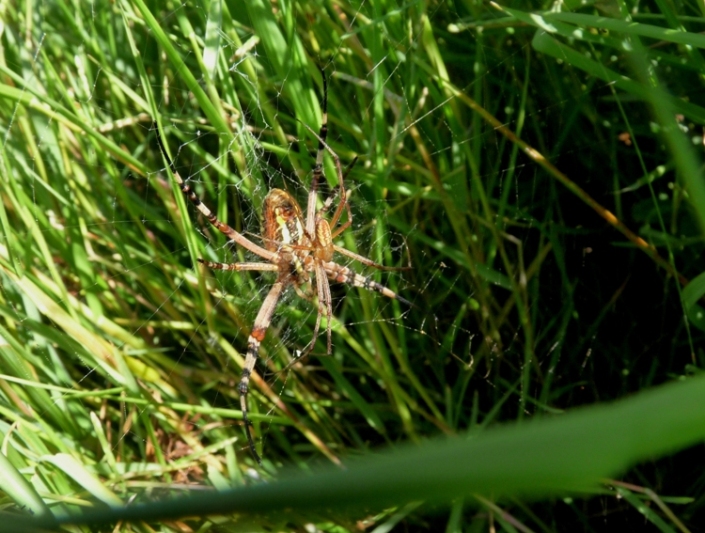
557, 456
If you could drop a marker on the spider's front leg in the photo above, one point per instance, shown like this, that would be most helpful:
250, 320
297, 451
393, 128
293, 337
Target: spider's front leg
254, 341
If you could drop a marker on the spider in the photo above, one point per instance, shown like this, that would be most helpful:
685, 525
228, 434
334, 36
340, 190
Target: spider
297, 249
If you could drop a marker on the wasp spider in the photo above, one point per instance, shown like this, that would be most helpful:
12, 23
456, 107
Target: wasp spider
297, 248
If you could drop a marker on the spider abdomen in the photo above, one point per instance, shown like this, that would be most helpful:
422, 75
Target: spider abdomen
283, 221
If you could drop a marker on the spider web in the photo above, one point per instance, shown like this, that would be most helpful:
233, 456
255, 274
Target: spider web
237, 198
265, 170
236, 195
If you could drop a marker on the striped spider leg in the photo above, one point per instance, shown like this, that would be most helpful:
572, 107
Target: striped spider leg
297, 249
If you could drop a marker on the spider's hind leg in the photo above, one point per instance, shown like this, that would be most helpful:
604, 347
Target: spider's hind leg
189, 193
318, 168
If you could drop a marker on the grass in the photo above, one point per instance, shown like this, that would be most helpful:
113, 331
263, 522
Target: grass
538, 170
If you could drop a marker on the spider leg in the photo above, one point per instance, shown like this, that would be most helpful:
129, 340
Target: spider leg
240, 267
343, 274
322, 135
259, 329
329, 202
335, 191
341, 180
318, 169
365, 261
226, 230
344, 199
325, 303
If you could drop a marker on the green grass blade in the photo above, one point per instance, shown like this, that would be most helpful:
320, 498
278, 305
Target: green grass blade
541, 458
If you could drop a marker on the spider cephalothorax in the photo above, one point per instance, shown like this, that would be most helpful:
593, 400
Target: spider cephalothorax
299, 250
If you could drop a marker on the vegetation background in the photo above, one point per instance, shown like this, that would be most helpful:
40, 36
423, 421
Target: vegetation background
537, 165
